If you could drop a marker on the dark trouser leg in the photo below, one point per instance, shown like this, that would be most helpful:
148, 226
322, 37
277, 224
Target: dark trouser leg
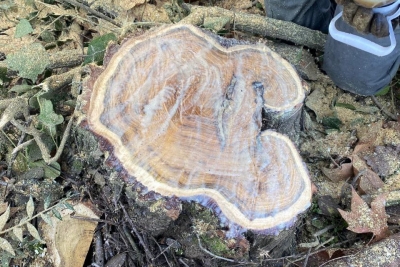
313, 14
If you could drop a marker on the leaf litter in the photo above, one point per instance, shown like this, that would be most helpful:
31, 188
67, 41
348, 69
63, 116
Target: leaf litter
362, 219
338, 140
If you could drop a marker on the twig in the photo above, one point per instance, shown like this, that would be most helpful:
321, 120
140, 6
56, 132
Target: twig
306, 259
141, 241
21, 146
325, 242
301, 256
47, 26
355, 179
12, 107
99, 251
310, 244
91, 11
37, 136
162, 251
181, 261
334, 162
58, 81
212, 254
132, 243
84, 218
383, 109
346, 256
322, 231
65, 59
23, 222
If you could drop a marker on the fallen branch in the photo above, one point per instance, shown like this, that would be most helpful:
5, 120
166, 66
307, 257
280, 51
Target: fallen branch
91, 11
383, 109
263, 26
37, 136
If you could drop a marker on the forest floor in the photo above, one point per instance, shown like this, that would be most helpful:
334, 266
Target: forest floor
61, 204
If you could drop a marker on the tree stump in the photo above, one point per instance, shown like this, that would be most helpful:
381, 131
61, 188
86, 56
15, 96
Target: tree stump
183, 112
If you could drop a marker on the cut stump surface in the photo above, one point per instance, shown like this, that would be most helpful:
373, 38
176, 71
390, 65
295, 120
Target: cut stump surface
183, 112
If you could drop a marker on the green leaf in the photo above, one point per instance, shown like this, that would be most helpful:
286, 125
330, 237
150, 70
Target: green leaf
58, 25
345, 105
4, 218
48, 117
69, 206
383, 91
21, 88
47, 36
23, 28
47, 219
4, 244
71, 103
6, 5
32, 230
51, 171
368, 109
49, 95
30, 207
56, 214
331, 123
47, 202
18, 232
33, 151
30, 61
3, 76
97, 48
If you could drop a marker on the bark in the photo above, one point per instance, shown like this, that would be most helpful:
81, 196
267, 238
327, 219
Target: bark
255, 24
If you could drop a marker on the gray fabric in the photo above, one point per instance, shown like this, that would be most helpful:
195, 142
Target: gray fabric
350, 69
357, 71
313, 14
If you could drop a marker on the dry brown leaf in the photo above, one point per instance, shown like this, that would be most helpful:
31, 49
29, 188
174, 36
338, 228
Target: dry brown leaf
358, 164
331, 251
383, 254
129, 4
384, 160
368, 137
391, 134
47, 10
151, 13
339, 174
362, 219
370, 182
